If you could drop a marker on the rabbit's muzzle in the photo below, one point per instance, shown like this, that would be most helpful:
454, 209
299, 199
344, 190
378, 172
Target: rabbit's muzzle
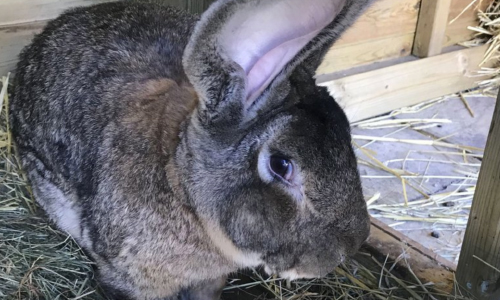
320, 250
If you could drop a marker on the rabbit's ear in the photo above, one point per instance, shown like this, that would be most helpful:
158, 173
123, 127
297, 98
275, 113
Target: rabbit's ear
240, 46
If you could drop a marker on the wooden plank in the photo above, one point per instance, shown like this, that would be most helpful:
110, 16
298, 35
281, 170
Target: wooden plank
25, 11
381, 33
458, 7
431, 28
457, 31
479, 265
385, 18
12, 41
425, 264
376, 92
349, 56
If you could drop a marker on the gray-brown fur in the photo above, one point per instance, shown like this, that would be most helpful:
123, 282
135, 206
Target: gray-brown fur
136, 140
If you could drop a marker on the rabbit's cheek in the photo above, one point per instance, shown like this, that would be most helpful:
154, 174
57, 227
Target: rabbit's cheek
241, 258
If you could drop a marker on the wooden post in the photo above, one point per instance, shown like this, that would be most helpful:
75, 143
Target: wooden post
479, 266
431, 27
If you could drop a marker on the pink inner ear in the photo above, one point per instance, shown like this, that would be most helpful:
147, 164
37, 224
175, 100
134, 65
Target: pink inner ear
264, 36
269, 65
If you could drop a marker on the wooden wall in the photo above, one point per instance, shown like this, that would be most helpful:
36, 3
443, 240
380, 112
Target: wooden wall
457, 31
387, 31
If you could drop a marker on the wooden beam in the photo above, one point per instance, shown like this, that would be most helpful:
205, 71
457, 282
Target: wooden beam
380, 91
479, 265
431, 27
427, 266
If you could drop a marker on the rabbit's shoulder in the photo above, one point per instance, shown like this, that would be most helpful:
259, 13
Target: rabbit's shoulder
153, 113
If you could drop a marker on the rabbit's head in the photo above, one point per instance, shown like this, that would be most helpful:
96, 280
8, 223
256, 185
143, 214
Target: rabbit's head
266, 156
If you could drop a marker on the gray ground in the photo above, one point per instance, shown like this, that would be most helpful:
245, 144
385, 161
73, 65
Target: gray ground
464, 130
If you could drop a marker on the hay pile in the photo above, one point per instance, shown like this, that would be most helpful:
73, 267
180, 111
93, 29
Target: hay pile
488, 32
370, 280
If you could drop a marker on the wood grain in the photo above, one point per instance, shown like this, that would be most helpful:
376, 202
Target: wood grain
457, 31
376, 92
349, 56
431, 28
385, 18
480, 253
383, 32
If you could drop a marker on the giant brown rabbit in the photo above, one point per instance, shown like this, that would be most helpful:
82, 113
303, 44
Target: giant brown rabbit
176, 149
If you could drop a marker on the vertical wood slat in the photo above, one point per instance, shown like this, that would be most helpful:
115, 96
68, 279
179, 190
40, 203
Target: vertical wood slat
431, 27
479, 264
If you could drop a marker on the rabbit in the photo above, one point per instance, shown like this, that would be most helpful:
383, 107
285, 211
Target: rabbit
177, 149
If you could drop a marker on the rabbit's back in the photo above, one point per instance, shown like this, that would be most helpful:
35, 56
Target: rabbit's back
74, 78
99, 98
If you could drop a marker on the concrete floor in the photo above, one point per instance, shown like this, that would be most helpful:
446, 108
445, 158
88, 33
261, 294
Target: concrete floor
464, 130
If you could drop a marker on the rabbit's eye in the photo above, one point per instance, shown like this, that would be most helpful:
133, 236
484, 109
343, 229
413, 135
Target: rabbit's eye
281, 167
